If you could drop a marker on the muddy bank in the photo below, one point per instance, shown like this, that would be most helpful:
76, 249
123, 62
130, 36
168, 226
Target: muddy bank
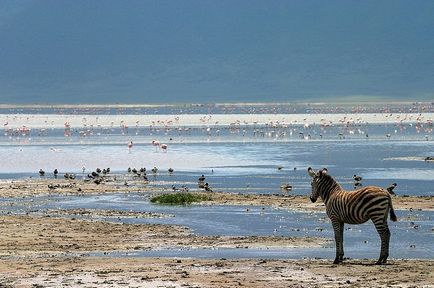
39, 235
52, 252
50, 248
166, 272
127, 184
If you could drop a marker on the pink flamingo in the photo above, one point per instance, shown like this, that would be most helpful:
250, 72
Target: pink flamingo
156, 144
67, 132
164, 147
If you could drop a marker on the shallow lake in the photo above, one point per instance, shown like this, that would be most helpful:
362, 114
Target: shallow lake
241, 167
245, 160
412, 235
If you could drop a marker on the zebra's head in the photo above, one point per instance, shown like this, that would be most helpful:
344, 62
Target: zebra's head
316, 176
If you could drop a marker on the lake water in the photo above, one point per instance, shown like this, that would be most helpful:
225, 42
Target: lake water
244, 159
244, 167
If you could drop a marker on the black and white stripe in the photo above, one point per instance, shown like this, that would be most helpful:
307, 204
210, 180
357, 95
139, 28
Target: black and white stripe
353, 207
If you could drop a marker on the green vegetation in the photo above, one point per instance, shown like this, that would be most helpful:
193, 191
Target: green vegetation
181, 198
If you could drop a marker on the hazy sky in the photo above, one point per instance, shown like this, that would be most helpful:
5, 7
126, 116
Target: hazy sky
105, 51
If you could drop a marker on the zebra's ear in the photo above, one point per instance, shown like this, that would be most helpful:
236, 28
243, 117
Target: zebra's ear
323, 172
311, 172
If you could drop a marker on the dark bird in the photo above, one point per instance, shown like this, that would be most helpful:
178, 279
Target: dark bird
142, 170
104, 171
129, 170
154, 170
390, 188
207, 188
134, 170
72, 176
170, 170
108, 170
357, 184
286, 187
279, 168
94, 174
66, 175
55, 172
201, 178
357, 178
41, 172
98, 170
97, 181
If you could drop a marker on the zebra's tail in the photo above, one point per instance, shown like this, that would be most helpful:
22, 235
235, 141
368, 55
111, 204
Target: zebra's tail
391, 211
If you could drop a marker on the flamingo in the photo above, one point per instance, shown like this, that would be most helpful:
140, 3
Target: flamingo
130, 145
156, 144
164, 147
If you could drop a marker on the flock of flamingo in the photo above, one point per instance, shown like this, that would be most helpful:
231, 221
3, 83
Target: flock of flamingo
154, 143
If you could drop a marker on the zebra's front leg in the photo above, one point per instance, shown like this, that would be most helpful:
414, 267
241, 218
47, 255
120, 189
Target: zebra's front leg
338, 228
383, 230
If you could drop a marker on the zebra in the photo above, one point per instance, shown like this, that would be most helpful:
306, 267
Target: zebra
353, 207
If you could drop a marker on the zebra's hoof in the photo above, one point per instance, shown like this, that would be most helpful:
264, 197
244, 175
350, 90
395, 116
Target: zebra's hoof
381, 262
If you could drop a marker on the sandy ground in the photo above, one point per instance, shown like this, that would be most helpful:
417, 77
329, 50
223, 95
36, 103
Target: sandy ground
163, 272
56, 248
38, 235
52, 252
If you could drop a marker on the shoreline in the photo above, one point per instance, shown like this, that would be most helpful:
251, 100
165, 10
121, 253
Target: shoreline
33, 121
293, 103
39, 187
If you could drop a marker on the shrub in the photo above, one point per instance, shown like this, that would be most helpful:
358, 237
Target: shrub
181, 198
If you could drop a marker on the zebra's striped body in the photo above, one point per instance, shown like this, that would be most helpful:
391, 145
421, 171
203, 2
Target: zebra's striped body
353, 207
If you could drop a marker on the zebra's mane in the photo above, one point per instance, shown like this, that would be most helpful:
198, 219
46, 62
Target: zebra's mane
330, 180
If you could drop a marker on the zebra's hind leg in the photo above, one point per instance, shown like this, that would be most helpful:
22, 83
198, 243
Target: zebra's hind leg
338, 228
383, 230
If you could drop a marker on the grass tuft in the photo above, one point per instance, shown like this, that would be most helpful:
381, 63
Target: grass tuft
180, 198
